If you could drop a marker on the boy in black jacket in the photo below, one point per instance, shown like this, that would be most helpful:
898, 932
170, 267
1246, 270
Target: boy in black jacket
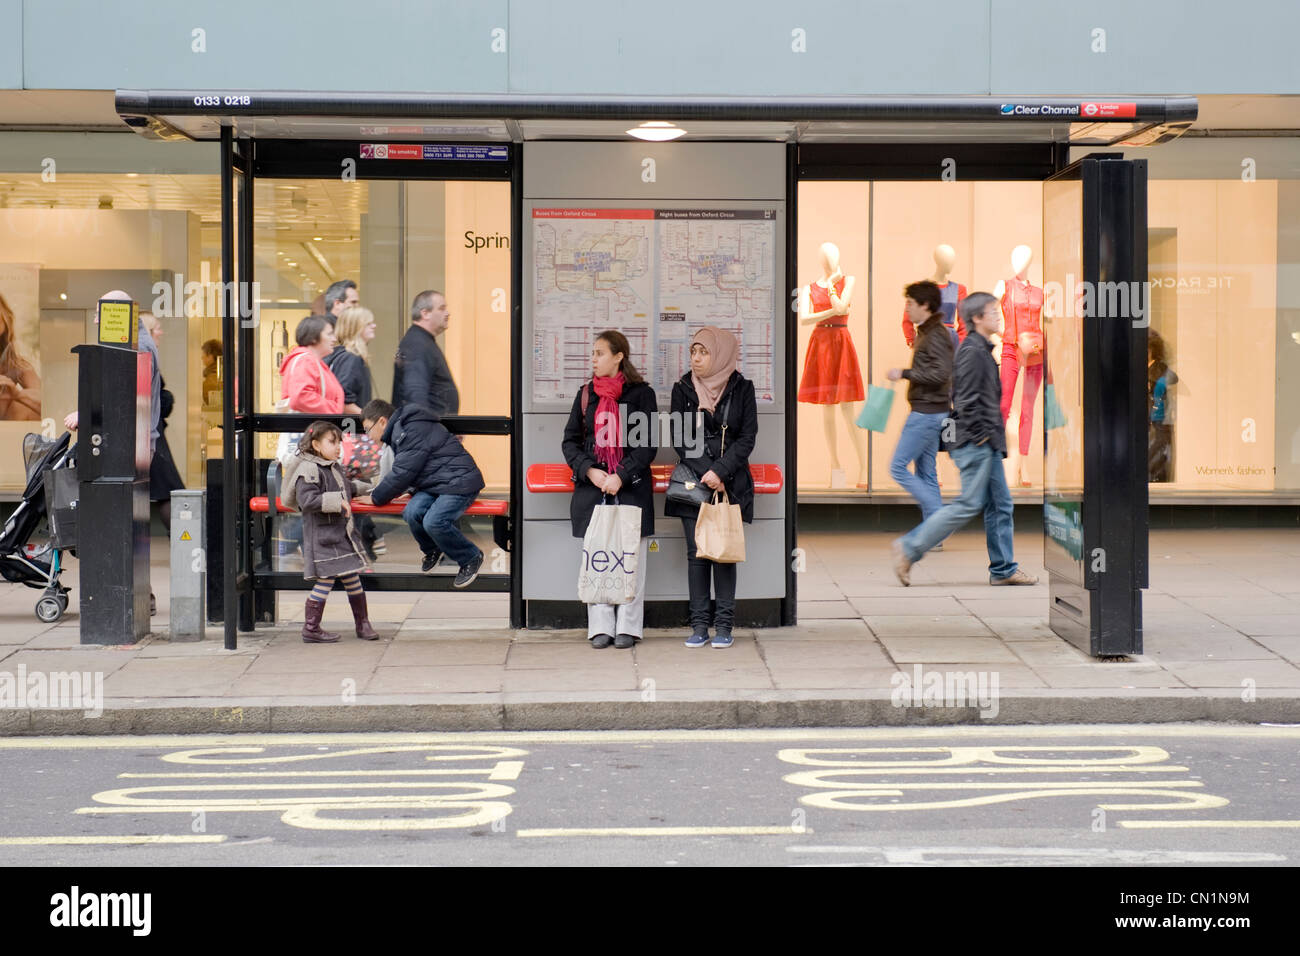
929, 393
980, 446
432, 463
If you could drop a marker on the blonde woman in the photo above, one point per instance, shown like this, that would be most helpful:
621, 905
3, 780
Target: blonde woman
20, 386
350, 363
350, 360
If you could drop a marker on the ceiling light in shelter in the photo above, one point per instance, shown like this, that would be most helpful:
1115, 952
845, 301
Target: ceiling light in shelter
656, 131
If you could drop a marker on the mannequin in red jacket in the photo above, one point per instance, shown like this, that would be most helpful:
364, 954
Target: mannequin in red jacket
1023, 346
951, 294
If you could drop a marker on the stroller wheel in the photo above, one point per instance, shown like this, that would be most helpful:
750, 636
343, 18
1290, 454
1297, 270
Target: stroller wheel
62, 598
49, 609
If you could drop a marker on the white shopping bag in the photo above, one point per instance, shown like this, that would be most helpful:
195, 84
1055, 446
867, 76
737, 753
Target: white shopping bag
607, 574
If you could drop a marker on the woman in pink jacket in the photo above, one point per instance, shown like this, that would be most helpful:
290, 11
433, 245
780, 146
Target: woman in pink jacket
306, 383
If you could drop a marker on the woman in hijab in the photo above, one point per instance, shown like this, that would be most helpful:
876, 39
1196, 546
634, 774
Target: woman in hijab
613, 459
715, 397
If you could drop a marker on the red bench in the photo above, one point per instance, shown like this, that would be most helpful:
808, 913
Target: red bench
483, 506
543, 478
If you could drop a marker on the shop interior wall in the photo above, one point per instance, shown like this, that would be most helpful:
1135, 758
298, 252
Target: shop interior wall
83, 253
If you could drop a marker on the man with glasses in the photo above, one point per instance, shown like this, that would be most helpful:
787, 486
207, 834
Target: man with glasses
339, 296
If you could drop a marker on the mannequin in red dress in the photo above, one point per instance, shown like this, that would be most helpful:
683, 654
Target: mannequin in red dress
831, 375
1023, 347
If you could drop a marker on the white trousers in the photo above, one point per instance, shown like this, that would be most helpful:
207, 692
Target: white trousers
616, 619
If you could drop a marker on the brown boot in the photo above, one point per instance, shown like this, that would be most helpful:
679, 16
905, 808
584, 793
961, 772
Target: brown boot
362, 617
311, 629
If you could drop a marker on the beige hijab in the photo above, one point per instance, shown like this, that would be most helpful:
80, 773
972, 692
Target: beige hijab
724, 351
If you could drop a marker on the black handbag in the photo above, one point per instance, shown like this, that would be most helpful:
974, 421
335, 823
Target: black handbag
684, 486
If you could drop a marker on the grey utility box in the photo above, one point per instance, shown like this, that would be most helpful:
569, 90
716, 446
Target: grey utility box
188, 565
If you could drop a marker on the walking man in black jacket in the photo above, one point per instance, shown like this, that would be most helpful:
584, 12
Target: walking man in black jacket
980, 446
429, 461
421, 375
929, 392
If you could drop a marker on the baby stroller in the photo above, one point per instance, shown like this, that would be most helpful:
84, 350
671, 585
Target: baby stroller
50, 494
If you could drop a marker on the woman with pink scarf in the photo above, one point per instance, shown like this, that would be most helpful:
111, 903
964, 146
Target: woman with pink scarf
714, 396
603, 465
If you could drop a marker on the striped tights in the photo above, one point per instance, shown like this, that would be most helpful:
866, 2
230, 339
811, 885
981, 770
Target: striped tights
351, 583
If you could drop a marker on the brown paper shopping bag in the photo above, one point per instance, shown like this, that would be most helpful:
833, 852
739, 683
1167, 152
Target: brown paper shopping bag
719, 532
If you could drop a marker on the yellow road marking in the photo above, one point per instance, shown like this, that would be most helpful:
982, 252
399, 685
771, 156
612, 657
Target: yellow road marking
1014, 731
505, 770
663, 831
106, 840
1192, 824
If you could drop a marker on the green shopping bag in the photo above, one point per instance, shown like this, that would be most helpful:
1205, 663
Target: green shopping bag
875, 413
1053, 415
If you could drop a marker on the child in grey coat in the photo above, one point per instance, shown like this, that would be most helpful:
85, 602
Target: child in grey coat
315, 484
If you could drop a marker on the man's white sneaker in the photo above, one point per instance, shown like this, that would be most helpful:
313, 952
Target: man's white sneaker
902, 566
1018, 577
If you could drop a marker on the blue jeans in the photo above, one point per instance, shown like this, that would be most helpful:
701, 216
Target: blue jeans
983, 488
433, 522
919, 443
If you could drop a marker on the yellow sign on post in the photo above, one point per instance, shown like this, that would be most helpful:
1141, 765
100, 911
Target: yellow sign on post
119, 323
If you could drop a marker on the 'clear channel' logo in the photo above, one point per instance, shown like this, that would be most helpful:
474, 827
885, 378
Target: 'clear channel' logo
1008, 109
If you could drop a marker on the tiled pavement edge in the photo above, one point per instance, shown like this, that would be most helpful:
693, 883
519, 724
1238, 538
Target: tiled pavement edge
1222, 643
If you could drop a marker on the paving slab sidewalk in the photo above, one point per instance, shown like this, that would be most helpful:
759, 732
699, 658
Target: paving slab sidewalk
1222, 643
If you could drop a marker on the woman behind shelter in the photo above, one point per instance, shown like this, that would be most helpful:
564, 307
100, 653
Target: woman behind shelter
20, 386
350, 359
164, 478
714, 396
602, 466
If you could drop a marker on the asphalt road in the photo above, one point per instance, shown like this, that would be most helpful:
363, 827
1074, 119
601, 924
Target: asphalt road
1095, 796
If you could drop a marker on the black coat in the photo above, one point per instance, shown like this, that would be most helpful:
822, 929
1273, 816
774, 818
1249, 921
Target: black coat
730, 463
353, 374
426, 457
930, 378
977, 404
580, 453
421, 375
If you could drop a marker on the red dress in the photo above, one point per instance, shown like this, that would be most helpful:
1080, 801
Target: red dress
830, 370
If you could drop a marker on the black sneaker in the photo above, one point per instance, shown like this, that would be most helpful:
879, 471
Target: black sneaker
468, 572
601, 641
430, 562
624, 641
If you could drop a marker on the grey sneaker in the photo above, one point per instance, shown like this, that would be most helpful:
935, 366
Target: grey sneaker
1018, 577
902, 566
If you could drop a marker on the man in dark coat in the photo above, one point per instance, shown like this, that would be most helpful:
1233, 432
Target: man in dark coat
979, 448
421, 375
432, 463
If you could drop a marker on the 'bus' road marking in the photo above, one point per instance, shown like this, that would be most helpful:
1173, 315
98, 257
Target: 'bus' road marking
107, 840
662, 831
857, 778
1193, 824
